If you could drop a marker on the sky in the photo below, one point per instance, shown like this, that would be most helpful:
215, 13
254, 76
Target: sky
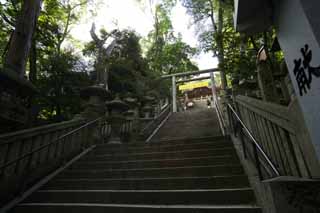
123, 14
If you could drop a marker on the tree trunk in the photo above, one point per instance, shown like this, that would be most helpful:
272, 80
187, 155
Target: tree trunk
224, 84
20, 44
33, 62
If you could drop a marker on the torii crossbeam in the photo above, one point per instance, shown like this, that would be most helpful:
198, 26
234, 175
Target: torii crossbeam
174, 88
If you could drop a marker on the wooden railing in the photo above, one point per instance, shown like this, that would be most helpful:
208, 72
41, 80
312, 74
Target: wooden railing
276, 133
27, 155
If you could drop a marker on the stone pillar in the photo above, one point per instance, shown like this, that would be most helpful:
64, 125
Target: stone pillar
266, 82
284, 82
297, 25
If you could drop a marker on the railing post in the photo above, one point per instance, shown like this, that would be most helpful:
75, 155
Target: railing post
101, 126
20, 152
257, 161
230, 120
244, 148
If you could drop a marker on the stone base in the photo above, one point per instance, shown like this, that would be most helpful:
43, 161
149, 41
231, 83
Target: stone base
294, 195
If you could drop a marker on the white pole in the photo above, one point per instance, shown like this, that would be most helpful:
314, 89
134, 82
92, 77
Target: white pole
174, 94
213, 88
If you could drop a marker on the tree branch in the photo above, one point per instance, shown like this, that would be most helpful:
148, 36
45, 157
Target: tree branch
212, 15
7, 20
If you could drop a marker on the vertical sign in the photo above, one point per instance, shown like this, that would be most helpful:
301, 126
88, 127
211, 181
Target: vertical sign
298, 29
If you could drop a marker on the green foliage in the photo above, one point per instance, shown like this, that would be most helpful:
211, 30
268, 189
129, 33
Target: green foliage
128, 70
167, 54
239, 52
176, 56
60, 81
58, 72
8, 14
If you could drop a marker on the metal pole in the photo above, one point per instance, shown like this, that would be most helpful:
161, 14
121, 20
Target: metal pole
174, 94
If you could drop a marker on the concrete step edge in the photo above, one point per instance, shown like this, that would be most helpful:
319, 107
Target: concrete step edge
157, 160
159, 146
168, 143
152, 191
145, 206
153, 169
190, 139
153, 178
151, 153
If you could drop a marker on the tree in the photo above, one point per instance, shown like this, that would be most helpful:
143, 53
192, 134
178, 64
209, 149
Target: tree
20, 41
59, 82
53, 28
167, 53
175, 57
128, 70
8, 11
56, 70
204, 10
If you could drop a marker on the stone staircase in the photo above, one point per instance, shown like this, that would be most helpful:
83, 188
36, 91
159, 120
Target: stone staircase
172, 175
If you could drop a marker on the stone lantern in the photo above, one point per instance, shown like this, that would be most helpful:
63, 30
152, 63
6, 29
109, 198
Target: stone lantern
15, 101
133, 112
147, 111
96, 97
116, 118
147, 108
155, 103
156, 107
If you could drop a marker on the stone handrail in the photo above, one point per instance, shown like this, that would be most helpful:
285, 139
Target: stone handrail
27, 133
126, 130
277, 132
27, 155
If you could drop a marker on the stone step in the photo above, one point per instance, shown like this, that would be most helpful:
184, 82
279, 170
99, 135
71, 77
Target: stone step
153, 147
198, 171
154, 197
186, 135
156, 163
159, 155
171, 183
176, 141
187, 140
186, 168
125, 208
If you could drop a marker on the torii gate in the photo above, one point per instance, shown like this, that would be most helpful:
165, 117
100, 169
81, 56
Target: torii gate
174, 82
